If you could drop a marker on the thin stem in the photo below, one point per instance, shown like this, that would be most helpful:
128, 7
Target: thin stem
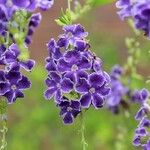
83, 140
69, 4
3, 119
3, 132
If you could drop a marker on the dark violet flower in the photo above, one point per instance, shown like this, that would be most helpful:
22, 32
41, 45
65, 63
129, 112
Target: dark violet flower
12, 84
93, 90
74, 73
72, 63
74, 35
69, 110
57, 86
11, 58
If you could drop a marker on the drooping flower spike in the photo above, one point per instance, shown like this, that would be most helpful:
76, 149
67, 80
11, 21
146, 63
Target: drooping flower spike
142, 132
75, 77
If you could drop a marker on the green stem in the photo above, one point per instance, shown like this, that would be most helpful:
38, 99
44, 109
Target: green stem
3, 132
83, 141
69, 4
3, 117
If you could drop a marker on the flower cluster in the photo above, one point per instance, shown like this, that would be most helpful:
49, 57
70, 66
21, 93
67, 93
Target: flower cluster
118, 90
12, 82
141, 138
138, 10
75, 77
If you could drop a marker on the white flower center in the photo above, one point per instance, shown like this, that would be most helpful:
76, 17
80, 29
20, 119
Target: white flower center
74, 68
92, 90
13, 87
69, 109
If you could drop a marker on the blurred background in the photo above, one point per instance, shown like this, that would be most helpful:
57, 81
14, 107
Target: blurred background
34, 123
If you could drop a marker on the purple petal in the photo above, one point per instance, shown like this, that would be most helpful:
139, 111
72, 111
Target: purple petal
85, 100
28, 65
141, 113
72, 56
24, 83
75, 105
50, 83
49, 93
70, 75
103, 90
81, 74
22, 4
58, 96
84, 63
4, 87
10, 57
50, 66
13, 77
14, 48
97, 101
80, 45
96, 79
97, 64
144, 94
63, 66
141, 131
137, 141
14, 67
66, 85
55, 76
54, 50
11, 97
82, 86
68, 118
19, 94
2, 76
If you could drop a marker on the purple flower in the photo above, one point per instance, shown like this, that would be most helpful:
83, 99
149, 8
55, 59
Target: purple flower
69, 110
93, 90
74, 35
118, 90
57, 86
11, 57
72, 63
12, 84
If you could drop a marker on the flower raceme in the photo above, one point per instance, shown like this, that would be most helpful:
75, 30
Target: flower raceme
138, 10
142, 131
12, 82
118, 90
75, 77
